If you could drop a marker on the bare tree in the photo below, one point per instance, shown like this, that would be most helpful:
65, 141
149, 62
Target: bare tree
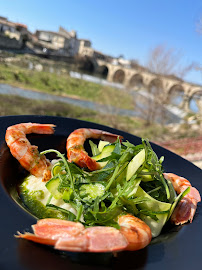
162, 61
167, 61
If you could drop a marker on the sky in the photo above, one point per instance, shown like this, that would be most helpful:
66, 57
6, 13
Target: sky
131, 28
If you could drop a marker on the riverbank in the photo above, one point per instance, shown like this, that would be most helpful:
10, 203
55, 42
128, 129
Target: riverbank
64, 85
6, 89
86, 89
16, 105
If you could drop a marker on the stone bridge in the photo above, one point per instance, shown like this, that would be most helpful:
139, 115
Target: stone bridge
183, 93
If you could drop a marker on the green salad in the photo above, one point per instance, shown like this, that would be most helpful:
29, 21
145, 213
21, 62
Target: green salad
130, 181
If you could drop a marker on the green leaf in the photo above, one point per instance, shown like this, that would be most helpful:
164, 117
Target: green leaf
155, 165
117, 149
153, 214
79, 212
106, 218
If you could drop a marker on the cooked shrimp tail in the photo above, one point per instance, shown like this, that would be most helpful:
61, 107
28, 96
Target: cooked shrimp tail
65, 235
186, 208
75, 146
24, 152
136, 231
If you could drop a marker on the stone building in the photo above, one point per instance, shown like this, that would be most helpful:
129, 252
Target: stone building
10, 36
9, 28
61, 42
52, 39
71, 44
85, 48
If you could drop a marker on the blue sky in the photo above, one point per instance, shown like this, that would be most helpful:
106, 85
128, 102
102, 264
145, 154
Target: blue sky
130, 27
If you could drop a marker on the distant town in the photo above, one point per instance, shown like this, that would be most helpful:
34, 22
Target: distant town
16, 36
66, 46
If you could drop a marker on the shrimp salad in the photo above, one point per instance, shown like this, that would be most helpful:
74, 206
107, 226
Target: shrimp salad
117, 199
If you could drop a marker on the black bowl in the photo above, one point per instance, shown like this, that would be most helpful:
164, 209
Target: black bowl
176, 246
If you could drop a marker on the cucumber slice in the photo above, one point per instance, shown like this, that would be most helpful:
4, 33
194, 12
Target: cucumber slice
134, 164
153, 205
155, 226
106, 151
67, 195
56, 169
35, 195
136, 185
101, 145
92, 191
52, 186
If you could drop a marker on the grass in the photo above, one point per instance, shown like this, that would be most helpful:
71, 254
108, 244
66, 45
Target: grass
14, 105
53, 83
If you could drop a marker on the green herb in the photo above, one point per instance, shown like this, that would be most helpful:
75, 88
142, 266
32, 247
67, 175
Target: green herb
99, 197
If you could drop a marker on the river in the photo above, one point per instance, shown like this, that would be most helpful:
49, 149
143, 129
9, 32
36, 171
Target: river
173, 116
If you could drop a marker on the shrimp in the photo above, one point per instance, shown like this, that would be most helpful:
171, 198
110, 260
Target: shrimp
27, 154
65, 235
75, 146
136, 231
186, 208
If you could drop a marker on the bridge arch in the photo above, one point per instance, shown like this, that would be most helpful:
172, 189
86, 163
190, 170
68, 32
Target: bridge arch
155, 86
103, 71
87, 63
181, 93
119, 76
136, 81
195, 101
176, 95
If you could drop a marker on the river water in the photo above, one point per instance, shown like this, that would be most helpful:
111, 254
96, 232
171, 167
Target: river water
173, 116
25, 93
